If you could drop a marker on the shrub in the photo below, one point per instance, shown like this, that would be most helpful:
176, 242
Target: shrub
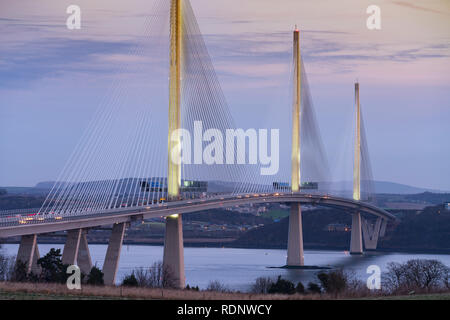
52, 268
192, 288
95, 277
130, 281
300, 288
314, 288
333, 282
282, 286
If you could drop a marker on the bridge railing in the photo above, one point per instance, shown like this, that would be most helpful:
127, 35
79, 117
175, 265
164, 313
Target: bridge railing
33, 216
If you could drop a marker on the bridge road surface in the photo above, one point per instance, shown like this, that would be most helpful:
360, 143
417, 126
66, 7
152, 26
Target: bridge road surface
37, 224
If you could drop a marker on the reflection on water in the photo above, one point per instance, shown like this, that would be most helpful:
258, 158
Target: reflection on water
238, 268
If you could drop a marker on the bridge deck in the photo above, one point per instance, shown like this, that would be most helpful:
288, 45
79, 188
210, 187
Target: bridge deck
16, 226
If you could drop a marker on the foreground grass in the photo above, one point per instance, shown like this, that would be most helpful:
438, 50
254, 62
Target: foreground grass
40, 291
5, 295
432, 296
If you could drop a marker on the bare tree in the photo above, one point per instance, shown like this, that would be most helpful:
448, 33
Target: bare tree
217, 286
262, 285
416, 274
142, 277
167, 276
6, 266
156, 276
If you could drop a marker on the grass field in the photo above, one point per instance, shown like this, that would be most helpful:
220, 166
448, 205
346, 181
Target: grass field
39, 291
27, 291
275, 214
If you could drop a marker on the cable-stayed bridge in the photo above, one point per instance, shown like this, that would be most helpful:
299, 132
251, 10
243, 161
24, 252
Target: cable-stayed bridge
133, 164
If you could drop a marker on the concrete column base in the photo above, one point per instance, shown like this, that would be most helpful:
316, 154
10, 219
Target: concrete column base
84, 256
383, 228
71, 247
356, 246
174, 250
29, 253
295, 237
35, 268
371, 233
111, 263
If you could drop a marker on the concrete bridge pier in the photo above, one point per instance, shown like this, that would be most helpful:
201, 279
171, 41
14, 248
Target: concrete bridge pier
29, 253
371, 233
295, 237
173, 249
356, 246
84, 256
76, 250
113, 253
383, 228
71, 247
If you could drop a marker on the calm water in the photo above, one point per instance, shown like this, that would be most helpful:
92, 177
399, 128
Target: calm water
238, 268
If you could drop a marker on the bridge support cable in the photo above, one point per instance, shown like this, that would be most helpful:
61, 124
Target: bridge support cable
112, 257
115, 155
314, 166
29, 253
363, 186
368, 192
205, 111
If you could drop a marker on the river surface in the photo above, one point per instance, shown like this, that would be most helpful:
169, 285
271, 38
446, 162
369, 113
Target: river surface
238, 268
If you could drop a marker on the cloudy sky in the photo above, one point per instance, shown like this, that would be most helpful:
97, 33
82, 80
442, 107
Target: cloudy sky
53, 79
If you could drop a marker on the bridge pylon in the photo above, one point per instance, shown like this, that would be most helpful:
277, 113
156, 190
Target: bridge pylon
173, 260
356, 246
295, 235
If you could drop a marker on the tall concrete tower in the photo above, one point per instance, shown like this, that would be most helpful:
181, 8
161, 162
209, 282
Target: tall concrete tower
357, 159
356, 246
176, 47
295, 155
295, 236
173, 239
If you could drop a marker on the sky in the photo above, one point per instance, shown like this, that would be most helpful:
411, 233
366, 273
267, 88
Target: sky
52, 79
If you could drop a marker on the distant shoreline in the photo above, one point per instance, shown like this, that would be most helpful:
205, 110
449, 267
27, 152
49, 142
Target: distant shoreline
227, 243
